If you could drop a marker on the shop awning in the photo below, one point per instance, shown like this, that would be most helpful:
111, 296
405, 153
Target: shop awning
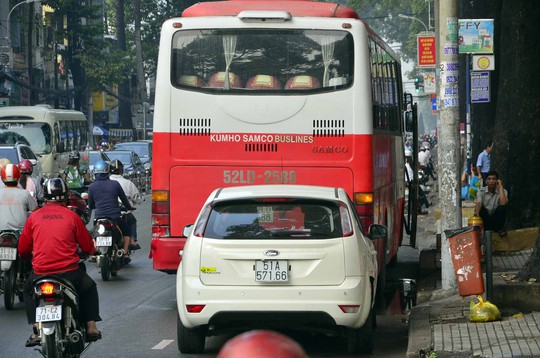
97, 130
121, 132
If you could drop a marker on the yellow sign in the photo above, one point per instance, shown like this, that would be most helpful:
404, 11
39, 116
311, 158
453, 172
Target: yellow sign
483, 63
104, 101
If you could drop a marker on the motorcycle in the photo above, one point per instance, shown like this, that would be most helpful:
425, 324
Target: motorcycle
14, 270
77, 202
109, 243
62, 332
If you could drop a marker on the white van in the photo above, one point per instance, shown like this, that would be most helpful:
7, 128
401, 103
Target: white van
51, 133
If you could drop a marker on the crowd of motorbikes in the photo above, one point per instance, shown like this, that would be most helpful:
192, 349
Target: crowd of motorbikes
57, 305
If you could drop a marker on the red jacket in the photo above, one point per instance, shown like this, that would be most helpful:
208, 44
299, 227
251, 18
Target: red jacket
51, 235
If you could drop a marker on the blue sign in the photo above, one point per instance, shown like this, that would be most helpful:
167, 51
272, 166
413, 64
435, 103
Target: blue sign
480, 87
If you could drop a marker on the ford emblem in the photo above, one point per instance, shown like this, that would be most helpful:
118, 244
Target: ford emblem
271, 253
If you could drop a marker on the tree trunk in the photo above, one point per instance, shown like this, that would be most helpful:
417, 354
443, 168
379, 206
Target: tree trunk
124, 106
531, 269
141, 80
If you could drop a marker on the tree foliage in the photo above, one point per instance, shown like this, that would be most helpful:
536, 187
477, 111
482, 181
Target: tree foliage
382, 17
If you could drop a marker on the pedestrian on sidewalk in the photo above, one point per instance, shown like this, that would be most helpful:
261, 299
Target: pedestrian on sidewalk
491, 202
483, 164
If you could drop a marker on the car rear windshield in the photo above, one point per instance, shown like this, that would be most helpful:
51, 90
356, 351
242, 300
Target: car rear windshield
274, 219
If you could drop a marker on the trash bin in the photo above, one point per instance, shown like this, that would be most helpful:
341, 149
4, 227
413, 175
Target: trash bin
478, 224
466, 257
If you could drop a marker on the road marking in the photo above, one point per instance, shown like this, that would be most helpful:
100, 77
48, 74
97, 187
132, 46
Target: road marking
164, 343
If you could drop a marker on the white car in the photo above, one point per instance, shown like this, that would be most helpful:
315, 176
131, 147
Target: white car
277, 256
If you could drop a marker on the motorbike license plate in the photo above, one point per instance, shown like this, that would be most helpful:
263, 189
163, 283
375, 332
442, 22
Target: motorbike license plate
104, 241
8, 253
48, 313
271, 271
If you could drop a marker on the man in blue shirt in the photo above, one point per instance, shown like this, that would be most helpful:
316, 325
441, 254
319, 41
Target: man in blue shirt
483, 164
103, 195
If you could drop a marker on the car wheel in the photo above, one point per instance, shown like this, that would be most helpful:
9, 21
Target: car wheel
362, 340
190, 340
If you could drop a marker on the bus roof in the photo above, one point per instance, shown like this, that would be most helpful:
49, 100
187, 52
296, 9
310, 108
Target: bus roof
39, 112
302, 8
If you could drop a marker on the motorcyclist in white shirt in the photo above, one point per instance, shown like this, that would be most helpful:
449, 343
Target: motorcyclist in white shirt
132, 193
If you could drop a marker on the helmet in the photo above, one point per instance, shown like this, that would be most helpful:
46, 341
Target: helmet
262, 343
10, 173
55, 189
74, 154
101, 167
408, 153
117, 167
104, 143
26, 167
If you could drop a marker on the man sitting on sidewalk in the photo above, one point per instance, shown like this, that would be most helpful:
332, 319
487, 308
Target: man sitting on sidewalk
491, 202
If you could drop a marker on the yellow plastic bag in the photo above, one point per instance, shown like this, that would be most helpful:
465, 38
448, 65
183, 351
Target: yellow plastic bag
483, 311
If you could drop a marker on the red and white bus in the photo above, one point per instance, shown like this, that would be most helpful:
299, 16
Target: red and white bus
267, 92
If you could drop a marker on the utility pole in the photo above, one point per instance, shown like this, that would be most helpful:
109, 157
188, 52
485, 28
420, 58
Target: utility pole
449, 140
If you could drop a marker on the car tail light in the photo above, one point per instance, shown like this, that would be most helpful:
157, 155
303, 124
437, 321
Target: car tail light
195, 308
346, 224
160, 213
363, 203
349, 308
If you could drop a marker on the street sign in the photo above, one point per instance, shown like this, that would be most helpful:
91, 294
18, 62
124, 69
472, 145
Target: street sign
426, 51
480, 87
483, 62
475, 36
429, 82
433, 100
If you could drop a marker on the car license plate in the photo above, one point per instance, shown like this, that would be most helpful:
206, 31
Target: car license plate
49, 313
8, 253
104, 241
271, 271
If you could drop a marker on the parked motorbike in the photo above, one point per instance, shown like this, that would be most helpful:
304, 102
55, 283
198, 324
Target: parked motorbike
62, 332
77, 202
109, 243
14, 270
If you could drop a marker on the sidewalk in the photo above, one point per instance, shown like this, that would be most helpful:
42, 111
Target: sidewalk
440, 324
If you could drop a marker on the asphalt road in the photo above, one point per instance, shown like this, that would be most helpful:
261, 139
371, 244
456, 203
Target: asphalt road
138, 308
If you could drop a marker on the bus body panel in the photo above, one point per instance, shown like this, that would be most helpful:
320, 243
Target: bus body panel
207, 140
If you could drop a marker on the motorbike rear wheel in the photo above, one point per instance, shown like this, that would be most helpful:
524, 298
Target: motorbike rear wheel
51, 344
10, 277
105, 268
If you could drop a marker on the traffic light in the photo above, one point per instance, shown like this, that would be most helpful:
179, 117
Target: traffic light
418, 83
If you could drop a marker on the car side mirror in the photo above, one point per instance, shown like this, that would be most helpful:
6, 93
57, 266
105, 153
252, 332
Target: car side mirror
377, 231
60, 147
187, 230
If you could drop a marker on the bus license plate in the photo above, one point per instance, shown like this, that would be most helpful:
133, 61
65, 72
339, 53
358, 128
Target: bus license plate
271, 271
49, 313
8, 253
104, 241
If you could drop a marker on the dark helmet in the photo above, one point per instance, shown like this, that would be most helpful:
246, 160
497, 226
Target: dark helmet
26, 167
10, 173
55, 189
117, 167
74, 154
101, 167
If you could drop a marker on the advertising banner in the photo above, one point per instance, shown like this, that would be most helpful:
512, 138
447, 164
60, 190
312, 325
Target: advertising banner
475, 36
426, 51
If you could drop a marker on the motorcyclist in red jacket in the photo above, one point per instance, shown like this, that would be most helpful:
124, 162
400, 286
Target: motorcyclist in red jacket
52, 237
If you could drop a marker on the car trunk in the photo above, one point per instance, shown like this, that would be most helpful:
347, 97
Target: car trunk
310, 262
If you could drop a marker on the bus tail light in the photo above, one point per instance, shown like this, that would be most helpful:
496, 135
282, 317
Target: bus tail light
363, 203
161, 209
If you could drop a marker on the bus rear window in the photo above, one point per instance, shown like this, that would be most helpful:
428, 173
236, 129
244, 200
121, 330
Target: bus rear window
259, 61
